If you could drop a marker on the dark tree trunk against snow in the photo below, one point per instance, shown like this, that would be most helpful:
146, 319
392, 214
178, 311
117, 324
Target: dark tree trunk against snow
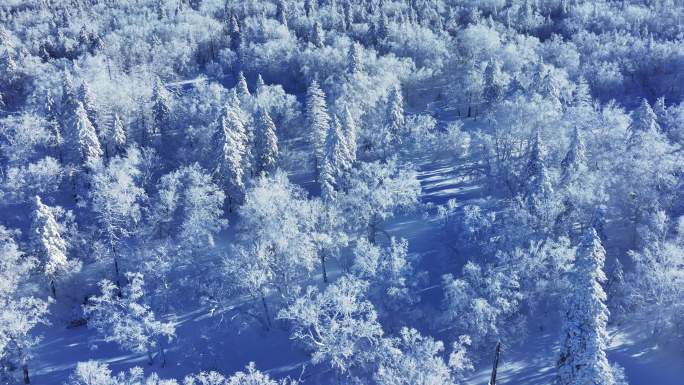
372, 230
150, 359
27, 380
497, 353
162, 353
267, 314
116, 275
325, 273
53, 289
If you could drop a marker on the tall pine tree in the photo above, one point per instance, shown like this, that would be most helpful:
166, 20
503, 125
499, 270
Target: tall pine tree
644, 122
266, 144
161, 109
395, 115
84, 143
336, 162
583, 358
351, 131
494, 82
317, 122
575, 161
48, 244
536, 181
230, 154
242, 89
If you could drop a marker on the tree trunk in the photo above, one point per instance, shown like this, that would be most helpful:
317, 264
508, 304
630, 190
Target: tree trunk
27, 380
266, 312
325, 273
162, 353
116, 275
497, 353
150, 359
372, 230
53, 289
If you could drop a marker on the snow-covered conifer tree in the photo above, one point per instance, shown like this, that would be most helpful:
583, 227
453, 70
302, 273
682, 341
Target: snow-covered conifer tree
84, 143
117, 141
317, 35
575, 160
266, 144
644, 122
242, 89
395, 115
536, 182
85, 96
50, 246
584, 337
350, 129
582, 94
660, 110
317, 122
355, 64
230, 154
336, 162
161, 108
259, 84
494, 82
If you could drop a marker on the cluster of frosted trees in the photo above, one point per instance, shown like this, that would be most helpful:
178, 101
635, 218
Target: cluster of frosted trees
249, 156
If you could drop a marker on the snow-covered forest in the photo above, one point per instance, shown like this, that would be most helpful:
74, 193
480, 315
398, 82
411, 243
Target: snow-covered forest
389, 192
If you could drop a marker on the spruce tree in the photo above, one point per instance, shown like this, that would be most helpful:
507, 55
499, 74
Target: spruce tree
84, 143
242, 89
267, 144
48, 244
86, 97
644, 122
69, 99
336, 162
660, 111
547, 84
382, 30
161, 107
235, 33
355, 64
119, 136
494, 82
395, 115
317, 122
350, 130
230, 154
260, 84
584, 338
582, 95
317, 35
575, 161
536, 182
